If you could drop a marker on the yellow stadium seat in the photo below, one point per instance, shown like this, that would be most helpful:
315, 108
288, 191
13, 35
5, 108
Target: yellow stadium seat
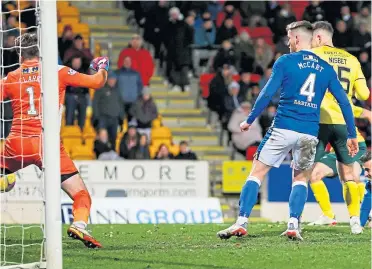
156, 143
89, 131
175, 149
82, 152
153, 151
71, 131
70, 20
62, 4
161, 133
70, 142
89, 142
69, 11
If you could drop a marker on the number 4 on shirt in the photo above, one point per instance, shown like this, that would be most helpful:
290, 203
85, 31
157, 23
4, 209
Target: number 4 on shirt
307, 88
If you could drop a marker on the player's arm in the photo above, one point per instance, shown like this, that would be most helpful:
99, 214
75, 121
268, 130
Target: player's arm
266, 94
361, 90
338, 92
73, 78
3, 89
362, 113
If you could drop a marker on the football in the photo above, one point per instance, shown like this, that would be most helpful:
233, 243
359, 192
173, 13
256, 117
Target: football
7, 183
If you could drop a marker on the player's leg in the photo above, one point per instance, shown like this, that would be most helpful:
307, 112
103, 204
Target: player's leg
365, 208
303, 159
358, 169
74, 186
326, 167
271, 153
345, 167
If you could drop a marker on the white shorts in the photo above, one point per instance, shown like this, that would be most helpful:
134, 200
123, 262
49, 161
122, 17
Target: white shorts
277, 143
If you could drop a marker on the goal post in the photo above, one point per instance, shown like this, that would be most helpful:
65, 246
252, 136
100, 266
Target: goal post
51, 135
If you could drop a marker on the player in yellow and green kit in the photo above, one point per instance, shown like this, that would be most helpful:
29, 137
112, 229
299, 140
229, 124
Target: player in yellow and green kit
332, 128
327, 167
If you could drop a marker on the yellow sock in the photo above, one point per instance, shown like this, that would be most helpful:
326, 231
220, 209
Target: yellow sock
322, 196
362, 190
351, 196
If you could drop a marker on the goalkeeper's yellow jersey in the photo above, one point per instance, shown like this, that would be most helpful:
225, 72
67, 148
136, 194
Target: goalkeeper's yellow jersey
352, 79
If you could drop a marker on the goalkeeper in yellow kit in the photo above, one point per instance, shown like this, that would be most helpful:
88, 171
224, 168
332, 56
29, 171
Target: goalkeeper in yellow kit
332, 128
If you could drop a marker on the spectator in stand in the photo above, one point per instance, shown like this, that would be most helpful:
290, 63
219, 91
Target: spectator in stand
108, 110
229, 12
361, 37
264, 53
102, 143
264, 79
214, 7
245, 84
144, 110
76, 98
345, 15
128, 141
253, 93
204, 39
10, 57
185, 152
129, 84
179, 37
142, 61
226, 32
78, 50
284, 17
252, 13
28, 16
341, 37
225, 55
272, 8
267, 118
163, 153
364, 16
154, 27
244, 51
365, 63
141, 150
218, 89
282, 45
65, 41
242, 140
314, 12
231, 102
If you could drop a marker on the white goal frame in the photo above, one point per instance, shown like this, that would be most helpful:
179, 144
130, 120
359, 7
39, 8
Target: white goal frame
51, 135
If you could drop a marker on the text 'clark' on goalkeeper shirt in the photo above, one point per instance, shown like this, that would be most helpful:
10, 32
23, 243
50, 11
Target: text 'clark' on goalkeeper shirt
304, 78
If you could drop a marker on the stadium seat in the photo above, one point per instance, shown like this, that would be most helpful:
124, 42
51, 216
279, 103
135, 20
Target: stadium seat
250, 152
153, 151
260, 32
156, 143
175, 149
68, 11
82, 152
255, 78
161, 133
71, 142
71, 131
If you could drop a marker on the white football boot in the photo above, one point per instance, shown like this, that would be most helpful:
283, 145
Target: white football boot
293, 231
355, 225
234, 230
324, 220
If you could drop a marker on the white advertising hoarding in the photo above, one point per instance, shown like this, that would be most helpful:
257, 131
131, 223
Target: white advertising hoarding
150, 211
134, 178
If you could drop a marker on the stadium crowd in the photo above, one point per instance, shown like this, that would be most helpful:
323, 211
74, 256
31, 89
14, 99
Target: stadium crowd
189, 39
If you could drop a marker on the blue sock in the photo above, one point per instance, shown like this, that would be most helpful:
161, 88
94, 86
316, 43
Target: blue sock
248, 197
365, 208
297, 199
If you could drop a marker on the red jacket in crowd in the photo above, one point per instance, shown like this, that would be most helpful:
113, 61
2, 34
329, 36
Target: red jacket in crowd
141, 62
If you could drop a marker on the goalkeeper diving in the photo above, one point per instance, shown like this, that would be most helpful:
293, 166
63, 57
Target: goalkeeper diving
23, 146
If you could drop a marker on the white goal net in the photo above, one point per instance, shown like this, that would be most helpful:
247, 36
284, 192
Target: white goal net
22, 208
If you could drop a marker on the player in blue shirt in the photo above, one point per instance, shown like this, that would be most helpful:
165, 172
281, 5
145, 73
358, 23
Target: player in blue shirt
304, 79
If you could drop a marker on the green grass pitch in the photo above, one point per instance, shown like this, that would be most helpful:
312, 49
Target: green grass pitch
197, 247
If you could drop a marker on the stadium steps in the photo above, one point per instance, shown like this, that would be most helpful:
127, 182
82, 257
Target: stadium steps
178, 109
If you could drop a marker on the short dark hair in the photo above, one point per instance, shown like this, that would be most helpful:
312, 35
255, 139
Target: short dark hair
303, 25
366, 157
183, 142
323, 25
27, 46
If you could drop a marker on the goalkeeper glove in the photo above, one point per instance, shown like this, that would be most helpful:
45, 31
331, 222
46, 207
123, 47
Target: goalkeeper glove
100, 63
